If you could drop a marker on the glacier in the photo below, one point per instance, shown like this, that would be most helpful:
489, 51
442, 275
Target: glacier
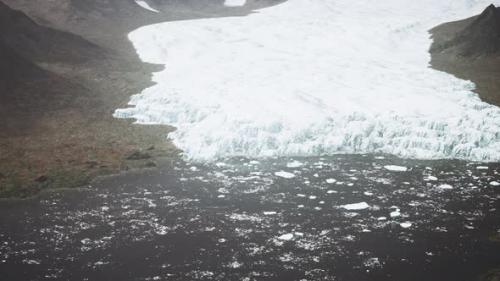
314, 77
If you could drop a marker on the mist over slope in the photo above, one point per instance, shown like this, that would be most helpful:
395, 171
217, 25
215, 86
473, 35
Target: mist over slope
313, 78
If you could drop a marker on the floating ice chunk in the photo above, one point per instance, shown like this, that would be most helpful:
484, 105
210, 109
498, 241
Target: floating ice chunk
330, 181
313, 197
382, 218
269, 213
395, 214
234, 3
368, 193
331, 191
301, 195
146, 6
395, 168
431, 178
356, 206
482, 167
286, 237
294, 164
495, 183
445, 186
406, 224
284, 174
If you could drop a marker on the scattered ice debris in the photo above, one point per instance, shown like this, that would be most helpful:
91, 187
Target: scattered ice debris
330, 181
146, 6
406, 224
284, 174
294, 164
482, 167
445, 186
356, 206
368, 193
286, 237
235, 264
193, 168
395, 168
372, 263
495, 183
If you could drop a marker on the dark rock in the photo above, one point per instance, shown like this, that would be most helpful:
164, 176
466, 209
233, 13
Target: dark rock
151, 147
2, 176
151, 164
42, 178
138, 155
479, 37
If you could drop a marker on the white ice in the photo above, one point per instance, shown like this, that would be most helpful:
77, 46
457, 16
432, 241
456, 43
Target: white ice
445, 186
356, 206
314, 77
284, 174
234, 3
146, 6
395, 168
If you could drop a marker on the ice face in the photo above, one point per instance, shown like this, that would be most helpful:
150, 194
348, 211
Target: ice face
311, 78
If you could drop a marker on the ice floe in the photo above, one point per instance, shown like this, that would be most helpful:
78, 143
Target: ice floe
284, 174
396, 168
356, 206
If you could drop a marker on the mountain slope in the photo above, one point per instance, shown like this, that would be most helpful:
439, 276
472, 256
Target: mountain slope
470, 50
479, 36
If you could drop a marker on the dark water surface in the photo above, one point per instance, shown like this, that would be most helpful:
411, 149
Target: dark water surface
239, 220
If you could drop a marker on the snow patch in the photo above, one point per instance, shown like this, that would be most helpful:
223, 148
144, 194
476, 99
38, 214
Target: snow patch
146, 6
234, 3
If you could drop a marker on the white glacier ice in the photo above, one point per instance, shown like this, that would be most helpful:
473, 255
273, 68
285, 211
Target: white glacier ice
314, 77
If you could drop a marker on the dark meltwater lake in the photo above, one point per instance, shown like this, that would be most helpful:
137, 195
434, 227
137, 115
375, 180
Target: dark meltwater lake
348, 217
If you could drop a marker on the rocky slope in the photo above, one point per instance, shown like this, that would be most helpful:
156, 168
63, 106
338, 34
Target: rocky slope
66, 66
470, 49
